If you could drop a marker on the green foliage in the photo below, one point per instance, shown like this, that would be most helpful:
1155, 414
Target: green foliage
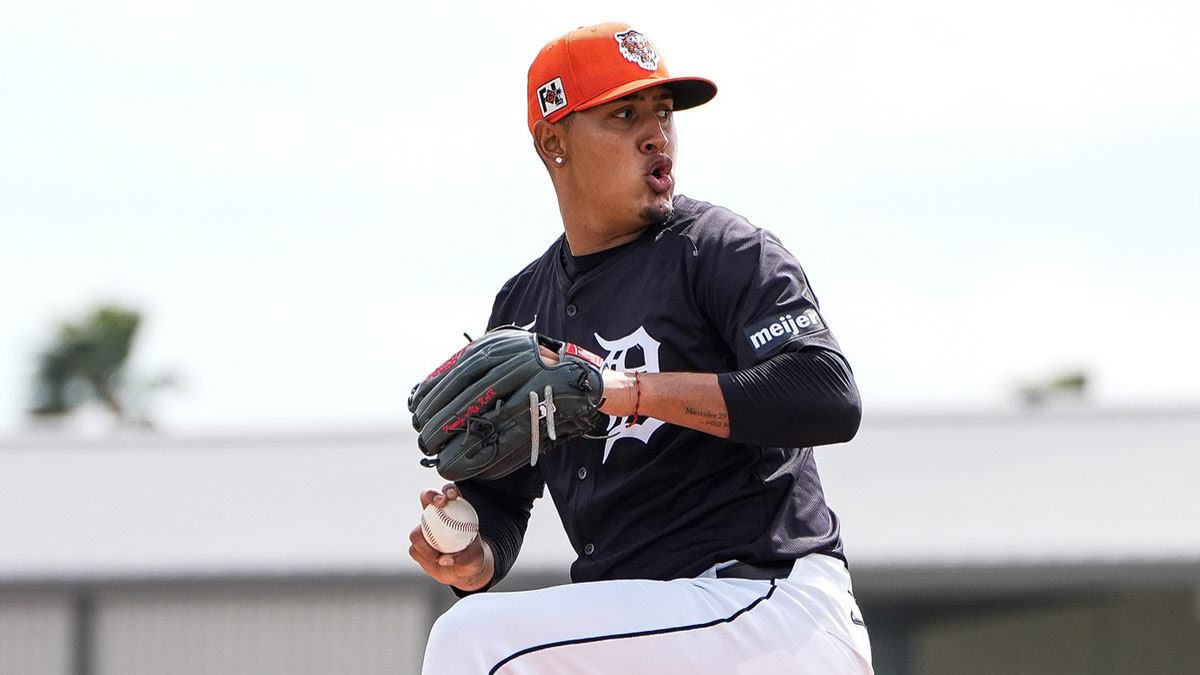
1067, 384
1075, 382
86, 361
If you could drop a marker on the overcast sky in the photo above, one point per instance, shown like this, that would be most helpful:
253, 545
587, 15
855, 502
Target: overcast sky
312, 201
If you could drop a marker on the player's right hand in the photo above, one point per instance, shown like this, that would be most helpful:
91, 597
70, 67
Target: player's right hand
470, 569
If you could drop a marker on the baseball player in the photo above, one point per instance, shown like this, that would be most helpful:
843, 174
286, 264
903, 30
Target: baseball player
703, 539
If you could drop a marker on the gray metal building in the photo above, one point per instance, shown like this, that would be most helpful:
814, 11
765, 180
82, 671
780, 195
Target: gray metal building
1061, 541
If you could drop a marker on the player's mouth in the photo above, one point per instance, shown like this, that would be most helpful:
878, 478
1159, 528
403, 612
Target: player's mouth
658, 174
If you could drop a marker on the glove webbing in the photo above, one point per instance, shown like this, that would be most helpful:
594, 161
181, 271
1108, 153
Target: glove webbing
476, 426
487, 430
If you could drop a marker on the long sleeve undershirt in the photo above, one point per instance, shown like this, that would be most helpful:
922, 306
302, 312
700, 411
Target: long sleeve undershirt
503, 517
793, 400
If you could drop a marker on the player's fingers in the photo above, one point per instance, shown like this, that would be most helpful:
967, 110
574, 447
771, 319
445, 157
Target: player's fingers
439, 574
459, 559
450, 490
426, 557
430, 566
548, 356
470, 558
422, 547
416, 555
438, 499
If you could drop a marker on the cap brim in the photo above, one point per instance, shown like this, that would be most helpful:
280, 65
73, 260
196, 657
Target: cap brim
686, 92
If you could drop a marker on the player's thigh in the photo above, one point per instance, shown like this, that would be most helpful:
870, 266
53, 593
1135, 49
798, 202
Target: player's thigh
689, 625
822, 586
770, 634
488, 628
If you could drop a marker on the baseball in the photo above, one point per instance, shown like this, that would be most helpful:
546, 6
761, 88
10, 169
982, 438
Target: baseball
452, 528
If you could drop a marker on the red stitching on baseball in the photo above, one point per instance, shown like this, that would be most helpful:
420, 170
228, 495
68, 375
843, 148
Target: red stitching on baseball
428, 533
455, 524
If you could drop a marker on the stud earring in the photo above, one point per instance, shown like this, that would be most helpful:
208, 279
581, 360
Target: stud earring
558, 161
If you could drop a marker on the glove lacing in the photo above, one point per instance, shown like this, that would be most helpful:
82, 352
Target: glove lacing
476, 426
536, 413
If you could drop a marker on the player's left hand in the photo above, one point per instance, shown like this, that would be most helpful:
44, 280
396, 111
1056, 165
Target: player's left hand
619, 388
496, 404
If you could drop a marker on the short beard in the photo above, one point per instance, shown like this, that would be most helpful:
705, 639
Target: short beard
657, 213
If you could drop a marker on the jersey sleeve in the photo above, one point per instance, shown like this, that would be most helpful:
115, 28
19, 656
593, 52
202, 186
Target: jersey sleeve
512, 295
498, 307
755, 293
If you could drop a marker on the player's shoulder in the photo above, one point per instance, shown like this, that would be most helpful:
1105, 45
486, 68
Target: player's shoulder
530, 272
711, 226
515, 296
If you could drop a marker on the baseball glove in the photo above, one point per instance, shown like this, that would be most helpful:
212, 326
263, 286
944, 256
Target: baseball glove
495, 405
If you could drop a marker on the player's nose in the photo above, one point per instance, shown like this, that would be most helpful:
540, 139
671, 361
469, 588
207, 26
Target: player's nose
656, 136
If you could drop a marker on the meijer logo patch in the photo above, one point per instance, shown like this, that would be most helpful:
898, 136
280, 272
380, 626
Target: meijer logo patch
774, 331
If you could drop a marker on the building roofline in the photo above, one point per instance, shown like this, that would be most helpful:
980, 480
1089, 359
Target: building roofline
881, 584
883, 417
949, 583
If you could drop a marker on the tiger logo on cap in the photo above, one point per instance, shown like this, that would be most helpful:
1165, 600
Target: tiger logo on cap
636, 48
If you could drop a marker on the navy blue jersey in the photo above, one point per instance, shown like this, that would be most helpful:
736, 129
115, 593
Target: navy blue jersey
703, 292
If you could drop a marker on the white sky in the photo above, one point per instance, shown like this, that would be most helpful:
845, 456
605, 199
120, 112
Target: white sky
312, 201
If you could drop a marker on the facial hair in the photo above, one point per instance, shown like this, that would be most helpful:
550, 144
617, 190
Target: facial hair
657, 213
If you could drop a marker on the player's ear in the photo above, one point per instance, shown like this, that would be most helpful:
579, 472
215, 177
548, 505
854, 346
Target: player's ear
550, 141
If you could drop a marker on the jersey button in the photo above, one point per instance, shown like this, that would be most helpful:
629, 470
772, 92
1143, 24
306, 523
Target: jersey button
582, 472
572, 310
589, 549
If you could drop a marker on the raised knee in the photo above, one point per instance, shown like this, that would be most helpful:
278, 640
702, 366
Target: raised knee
454, 623
458, 640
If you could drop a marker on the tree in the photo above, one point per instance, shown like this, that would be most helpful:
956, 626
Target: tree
1071, 384
87, 361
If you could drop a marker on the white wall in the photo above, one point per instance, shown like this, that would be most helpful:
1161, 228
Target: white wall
35, 633
186, 631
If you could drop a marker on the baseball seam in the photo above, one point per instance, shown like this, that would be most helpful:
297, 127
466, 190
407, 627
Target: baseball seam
454, 523
428, 533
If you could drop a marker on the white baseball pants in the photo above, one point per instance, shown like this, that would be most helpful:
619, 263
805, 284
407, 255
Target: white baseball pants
806, 623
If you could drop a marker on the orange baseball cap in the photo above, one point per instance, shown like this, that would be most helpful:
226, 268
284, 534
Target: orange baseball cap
597, 64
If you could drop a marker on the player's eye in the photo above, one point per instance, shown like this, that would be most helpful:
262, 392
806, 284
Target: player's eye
624, 113
666, 113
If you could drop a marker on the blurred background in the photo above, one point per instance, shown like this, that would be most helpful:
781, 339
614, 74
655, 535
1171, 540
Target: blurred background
232, 235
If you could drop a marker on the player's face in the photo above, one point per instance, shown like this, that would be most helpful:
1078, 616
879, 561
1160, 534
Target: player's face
621, 155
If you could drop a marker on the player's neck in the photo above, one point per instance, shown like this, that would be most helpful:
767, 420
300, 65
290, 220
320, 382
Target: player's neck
581, 244
588, 233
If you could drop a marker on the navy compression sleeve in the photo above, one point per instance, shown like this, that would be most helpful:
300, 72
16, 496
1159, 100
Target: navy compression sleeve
503, 517
793, 400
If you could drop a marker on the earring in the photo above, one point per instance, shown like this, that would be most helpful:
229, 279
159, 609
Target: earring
558, 161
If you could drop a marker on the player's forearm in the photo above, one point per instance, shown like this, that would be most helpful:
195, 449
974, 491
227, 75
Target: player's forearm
691, 400
796, 399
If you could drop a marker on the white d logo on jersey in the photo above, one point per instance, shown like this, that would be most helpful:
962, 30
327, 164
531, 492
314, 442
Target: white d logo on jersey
618, 351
